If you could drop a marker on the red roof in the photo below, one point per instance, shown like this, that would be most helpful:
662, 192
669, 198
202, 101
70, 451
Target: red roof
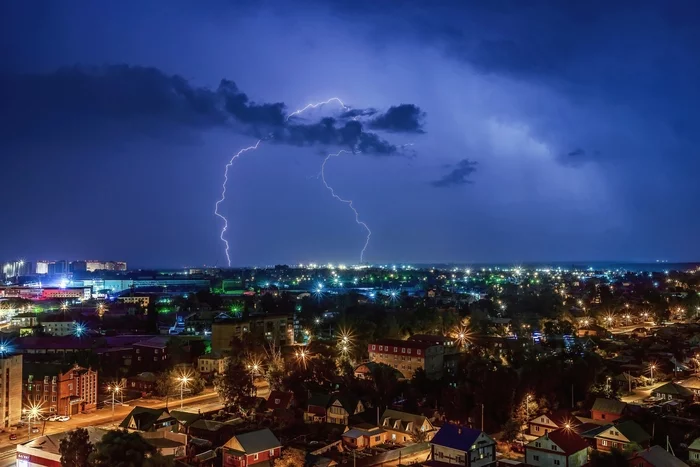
568, 440
278, 400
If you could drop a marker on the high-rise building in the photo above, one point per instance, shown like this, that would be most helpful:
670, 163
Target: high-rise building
10, 389
17, 268
42, 267
58, 267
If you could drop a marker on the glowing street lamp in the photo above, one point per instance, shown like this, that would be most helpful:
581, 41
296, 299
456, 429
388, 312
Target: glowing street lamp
301, 356
652, 367
114, 389
33, 412
184, 380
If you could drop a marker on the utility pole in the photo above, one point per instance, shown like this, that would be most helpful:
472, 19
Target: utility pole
482, 417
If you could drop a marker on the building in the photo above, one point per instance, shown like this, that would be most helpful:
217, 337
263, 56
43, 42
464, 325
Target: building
317, 408
42, 267
655, 456
141, 300
212, 364
247, 449
44, 450
151, 355
694, 452
458, 445
144, 382
60, 391
24, 320
543, 424
276, 328
403, 427
11, 389
692, 383
149, 420
408, 356
607, 410
673, 391
360, 438
342, 407
561, 447
57, 326
621, 435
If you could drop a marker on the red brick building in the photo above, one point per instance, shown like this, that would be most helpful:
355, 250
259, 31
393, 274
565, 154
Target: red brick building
607, 410
59, 391
408, 356
247, 449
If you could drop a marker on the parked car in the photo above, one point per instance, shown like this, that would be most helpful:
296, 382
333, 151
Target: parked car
13, 436
53, 418
63, 418
35, 429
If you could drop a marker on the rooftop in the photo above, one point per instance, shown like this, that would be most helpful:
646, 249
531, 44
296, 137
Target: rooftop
609, 406
657, 457
568, 440
456, 437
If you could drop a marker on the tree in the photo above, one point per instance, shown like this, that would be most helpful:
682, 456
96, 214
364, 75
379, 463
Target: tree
75, 449
511, 430
121, 448
234, 385
167, 383
419, 436
290, 458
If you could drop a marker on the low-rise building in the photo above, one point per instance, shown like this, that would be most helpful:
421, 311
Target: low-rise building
409, 356
144, 382
457, 445
140, 300
607, 410
342, 407
692, 383
58, 326
248, 449
561, 447
673, 391
212, 364
543, 424
694, 451
144, 419
404, 427
151, 354
277, 329
359, 438
622, 435
60, 390
655, 456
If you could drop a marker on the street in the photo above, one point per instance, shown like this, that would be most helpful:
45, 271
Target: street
102, 417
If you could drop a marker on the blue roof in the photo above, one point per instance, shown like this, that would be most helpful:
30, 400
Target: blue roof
456, 437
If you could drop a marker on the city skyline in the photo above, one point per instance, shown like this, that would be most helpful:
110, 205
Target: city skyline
540, 133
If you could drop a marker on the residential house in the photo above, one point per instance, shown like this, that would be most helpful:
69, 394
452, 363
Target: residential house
607, 410
342, 407
359, 438
458, 445
143, 382
655, 456
621, 435
147, 420
403, 427
694, 452
673, 391
692, 383
279, 406
317, 408
561, 447
257, 447
543, 424
217, 433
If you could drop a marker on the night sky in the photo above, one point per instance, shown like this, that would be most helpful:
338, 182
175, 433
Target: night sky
482, 131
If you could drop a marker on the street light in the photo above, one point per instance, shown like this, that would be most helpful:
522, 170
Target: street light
114, 388
184, 379
33, 413
652, 367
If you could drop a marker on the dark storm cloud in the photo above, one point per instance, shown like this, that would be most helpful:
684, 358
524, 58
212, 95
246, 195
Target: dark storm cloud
459, 175
122, 101
406, 118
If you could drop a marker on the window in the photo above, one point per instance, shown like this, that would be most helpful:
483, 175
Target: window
155, 359
604, 442
538, 444
272, 452
377, 438
535, 458
542, 419
557, 462
373, 347
418, 352
554, 447
396, 349
602, 416
255, 456
138, 350
537, 428
53, 398
403, 349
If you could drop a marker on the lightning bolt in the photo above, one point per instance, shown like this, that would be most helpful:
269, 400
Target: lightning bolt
346, 201
253, 148
315, 105
223, 195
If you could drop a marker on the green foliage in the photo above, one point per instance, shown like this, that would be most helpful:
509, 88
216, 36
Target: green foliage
121, 448
75, 449
167, 383
234, 385
511, 430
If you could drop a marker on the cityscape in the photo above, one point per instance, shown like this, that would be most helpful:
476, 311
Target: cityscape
349, 233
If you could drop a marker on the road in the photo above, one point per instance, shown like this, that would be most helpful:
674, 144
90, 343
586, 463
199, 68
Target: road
639, 394
208, 400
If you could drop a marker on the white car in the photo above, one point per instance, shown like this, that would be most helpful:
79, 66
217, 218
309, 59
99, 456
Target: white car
63, 418
53, 418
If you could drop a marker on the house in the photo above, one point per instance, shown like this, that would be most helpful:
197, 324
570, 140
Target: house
359, 438
278, 400
458, 445
694, 452
256, 447
212, 364
317, 408
143, 382
655, 456
147, 420
592, 330
559, 447
692, 383
408, 356
620, 435
403, 427
368, 369
217, 433
673, 391
342, 407
543, 424
607, 410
